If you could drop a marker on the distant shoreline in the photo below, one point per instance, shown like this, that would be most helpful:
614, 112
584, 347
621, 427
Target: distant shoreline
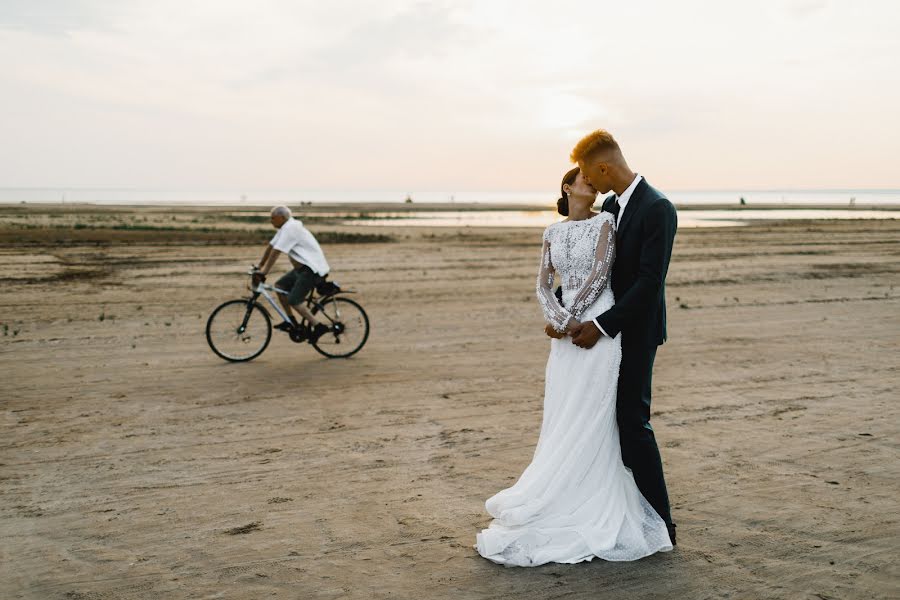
393, 207
237, 199
92, 224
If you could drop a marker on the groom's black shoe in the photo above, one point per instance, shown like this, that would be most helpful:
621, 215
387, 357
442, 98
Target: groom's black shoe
671, 528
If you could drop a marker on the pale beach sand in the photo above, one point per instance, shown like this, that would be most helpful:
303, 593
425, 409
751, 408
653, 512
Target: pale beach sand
136, 464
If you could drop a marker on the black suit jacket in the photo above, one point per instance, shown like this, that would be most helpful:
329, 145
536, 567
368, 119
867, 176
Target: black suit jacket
644, 241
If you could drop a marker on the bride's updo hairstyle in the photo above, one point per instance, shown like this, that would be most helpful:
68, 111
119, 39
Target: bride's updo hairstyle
562, 205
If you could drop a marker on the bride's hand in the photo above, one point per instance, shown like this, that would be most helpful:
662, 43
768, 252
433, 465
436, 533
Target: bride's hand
553, 333
573, 329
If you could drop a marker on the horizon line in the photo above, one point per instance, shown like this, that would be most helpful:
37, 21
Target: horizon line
418, 191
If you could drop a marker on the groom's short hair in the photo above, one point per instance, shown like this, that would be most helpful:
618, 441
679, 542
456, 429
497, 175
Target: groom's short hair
594, 143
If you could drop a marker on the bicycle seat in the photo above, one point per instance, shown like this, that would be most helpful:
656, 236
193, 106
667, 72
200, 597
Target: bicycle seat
327, 288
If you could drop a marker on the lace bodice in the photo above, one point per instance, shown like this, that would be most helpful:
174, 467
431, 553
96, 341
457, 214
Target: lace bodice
581, 255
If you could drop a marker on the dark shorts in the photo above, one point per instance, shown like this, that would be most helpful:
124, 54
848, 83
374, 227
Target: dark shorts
298, 283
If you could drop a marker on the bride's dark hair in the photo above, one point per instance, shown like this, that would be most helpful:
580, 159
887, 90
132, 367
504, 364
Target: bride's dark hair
562, 205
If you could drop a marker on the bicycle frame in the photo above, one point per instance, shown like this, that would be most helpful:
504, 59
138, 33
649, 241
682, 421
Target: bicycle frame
263, 290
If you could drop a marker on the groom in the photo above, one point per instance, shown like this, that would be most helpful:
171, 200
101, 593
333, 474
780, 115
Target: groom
645, 229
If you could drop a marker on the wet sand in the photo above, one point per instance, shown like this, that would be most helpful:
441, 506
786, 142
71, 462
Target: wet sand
136, 464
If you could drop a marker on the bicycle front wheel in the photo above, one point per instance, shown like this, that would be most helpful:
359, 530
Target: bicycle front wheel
348, 328
239, 330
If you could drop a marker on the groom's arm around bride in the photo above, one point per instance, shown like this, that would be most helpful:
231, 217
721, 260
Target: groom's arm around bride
645, 298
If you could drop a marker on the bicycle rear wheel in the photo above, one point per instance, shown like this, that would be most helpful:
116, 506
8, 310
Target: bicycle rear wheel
239, 330
348, 328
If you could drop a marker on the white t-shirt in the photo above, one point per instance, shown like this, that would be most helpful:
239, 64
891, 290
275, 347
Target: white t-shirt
296, 241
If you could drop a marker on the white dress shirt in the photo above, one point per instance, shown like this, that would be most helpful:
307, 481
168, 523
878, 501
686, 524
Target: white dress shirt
625, 197
297, 242
623, 202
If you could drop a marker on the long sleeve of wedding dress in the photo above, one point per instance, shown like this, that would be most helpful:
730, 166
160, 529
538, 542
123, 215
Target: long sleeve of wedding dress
589, 287
599, 276
557, 316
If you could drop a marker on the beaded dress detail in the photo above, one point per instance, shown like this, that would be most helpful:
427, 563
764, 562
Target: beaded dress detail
581, 253
576, 500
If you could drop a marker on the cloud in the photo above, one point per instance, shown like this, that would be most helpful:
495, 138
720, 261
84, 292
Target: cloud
58, 17
459, 94
420, 31
804, 8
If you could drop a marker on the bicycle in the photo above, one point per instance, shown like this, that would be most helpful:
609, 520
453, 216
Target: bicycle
240, 330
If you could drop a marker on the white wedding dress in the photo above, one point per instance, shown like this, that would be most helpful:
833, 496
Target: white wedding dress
576, 500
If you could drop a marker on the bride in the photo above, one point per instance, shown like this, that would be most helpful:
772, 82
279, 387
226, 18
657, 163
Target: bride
576, 500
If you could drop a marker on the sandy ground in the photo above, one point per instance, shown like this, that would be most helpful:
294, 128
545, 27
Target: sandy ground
136, 464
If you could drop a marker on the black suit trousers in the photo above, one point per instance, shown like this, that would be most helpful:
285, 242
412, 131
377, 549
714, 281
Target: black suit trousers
639, 450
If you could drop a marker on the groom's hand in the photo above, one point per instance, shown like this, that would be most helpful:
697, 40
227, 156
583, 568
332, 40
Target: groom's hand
553, 333
587, 336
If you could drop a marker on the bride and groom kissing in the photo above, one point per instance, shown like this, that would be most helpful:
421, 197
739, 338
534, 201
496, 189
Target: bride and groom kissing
595, 485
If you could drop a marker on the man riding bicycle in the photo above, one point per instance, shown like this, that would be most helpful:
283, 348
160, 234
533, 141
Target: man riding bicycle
309, 264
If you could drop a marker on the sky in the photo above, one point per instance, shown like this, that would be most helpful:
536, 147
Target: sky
465, 95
